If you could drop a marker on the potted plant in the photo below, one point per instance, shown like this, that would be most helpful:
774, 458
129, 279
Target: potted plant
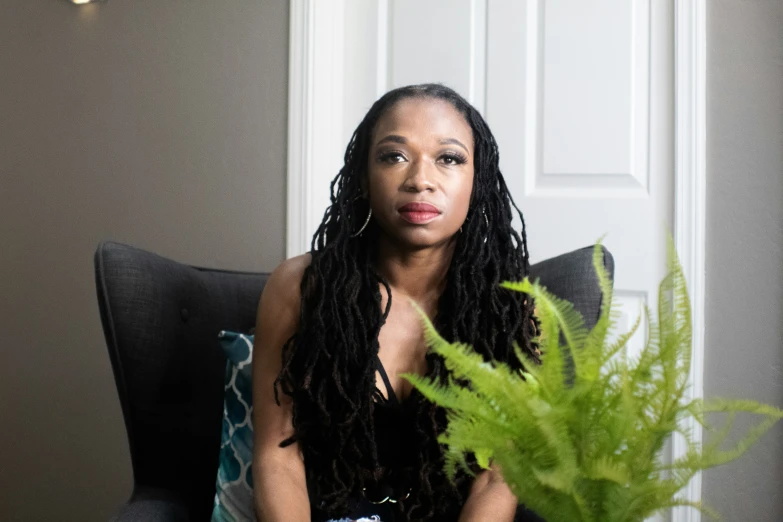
579, 437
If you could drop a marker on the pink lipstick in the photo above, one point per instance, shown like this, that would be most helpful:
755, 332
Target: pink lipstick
418, 213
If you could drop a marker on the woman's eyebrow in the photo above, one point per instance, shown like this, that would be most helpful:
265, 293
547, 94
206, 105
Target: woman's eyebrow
395, 138
453, 141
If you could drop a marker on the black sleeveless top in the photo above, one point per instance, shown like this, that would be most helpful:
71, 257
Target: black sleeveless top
395, 438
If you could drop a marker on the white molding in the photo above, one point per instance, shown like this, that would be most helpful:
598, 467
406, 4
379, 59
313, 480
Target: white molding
315, 111
533, 84
633, 184
300, 114
690, 202
477, 67
382, 49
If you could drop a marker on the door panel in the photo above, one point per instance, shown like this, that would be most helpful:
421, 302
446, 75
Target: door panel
579, 95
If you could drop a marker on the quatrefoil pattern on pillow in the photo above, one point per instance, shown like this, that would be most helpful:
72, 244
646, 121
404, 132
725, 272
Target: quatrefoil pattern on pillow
234, 495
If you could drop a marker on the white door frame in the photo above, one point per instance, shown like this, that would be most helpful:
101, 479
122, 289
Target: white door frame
315, 106
690, 196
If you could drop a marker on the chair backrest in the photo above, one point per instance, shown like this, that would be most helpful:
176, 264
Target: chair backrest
572, 277
161, 319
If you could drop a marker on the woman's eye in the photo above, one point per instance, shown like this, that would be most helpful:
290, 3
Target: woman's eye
392, 157
453, 159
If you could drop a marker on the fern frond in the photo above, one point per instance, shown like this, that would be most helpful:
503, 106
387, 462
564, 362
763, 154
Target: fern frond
585, 446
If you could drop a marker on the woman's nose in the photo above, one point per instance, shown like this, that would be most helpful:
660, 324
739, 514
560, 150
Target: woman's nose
419, 178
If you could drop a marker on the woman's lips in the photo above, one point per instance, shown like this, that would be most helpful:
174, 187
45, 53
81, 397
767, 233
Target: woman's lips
418, 213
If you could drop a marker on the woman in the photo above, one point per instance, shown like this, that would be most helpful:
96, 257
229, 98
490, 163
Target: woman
420, 212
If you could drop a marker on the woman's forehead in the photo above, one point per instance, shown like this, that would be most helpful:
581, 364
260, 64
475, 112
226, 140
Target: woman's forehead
423, 118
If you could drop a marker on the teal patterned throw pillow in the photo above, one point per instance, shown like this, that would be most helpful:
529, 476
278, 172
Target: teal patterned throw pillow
234, 496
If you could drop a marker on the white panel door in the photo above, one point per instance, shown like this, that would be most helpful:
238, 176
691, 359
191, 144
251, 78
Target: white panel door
579, 95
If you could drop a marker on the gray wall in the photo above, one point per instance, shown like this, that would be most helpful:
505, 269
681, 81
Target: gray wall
744, 343
157, 123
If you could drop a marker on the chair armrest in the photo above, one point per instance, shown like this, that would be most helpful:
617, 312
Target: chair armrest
152, 505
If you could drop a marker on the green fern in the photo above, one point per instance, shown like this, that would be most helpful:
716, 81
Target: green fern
582, 441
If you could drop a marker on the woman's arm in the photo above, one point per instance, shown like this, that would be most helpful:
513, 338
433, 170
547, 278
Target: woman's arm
280, 490
490, 498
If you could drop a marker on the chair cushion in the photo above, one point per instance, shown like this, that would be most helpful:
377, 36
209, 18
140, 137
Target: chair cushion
152, 505
234, 495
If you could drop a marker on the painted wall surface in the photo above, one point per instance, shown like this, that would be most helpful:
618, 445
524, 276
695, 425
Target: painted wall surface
744, 338
158, 124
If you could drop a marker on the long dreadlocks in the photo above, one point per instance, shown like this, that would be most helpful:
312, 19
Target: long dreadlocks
329, 364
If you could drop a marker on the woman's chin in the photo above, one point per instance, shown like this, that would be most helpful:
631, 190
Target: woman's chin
421, 239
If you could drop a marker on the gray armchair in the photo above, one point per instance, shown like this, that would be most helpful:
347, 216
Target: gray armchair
161, 319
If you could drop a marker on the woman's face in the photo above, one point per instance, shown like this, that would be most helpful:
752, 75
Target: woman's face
420, 171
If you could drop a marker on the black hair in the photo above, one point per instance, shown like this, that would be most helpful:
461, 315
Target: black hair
329, 364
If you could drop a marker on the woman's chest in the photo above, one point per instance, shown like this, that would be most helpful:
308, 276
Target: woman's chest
402, 348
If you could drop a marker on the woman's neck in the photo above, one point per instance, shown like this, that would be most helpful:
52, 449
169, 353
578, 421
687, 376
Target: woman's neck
418, 274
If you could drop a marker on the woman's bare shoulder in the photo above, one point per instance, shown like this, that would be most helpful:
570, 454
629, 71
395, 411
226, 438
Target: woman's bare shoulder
284, 283
291, 270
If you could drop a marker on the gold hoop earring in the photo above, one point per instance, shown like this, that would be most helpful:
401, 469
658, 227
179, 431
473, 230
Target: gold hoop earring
366, 222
